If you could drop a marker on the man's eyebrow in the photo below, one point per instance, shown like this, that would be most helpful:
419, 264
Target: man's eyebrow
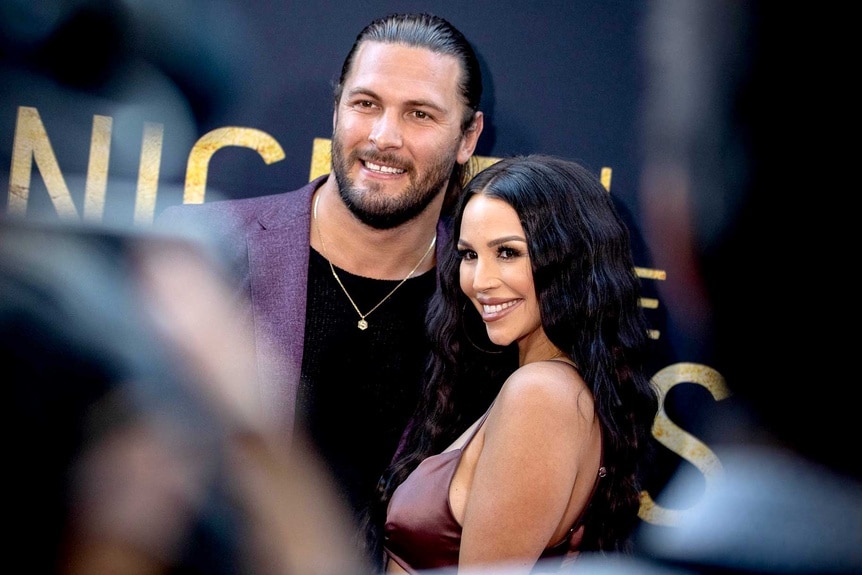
425, 104
360, 91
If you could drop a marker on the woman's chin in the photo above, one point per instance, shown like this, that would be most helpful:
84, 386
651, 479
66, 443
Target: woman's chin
499, 340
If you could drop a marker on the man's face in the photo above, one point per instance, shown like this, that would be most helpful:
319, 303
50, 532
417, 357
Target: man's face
397, 132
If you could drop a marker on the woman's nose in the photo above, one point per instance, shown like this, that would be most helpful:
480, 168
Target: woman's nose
485, 276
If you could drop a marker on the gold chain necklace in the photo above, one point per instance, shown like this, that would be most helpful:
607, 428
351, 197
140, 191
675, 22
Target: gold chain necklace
363, 324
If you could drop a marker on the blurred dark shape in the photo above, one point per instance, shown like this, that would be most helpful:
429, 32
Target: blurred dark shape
186, 67
137, 444
91, 46
81, 366
744, 256
86, 48
716, 196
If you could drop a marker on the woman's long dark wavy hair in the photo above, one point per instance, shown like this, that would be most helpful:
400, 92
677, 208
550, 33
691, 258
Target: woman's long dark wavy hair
588, 296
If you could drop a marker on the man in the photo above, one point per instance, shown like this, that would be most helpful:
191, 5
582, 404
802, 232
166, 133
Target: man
339, 272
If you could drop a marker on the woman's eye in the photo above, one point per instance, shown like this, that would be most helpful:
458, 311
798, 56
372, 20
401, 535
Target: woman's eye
507, 253
466, 254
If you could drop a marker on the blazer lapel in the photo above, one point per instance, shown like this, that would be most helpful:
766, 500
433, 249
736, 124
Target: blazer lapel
278, 273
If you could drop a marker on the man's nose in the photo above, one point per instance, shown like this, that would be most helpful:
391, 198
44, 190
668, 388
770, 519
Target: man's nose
386, 131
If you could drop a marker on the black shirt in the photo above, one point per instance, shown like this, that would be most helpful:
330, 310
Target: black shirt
358, 388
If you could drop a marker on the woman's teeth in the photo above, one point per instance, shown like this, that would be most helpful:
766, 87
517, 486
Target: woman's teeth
498, 307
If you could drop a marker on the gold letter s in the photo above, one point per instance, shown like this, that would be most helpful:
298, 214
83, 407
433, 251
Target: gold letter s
676, 439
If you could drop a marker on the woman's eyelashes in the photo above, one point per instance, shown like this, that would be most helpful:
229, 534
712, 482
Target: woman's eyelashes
503, 252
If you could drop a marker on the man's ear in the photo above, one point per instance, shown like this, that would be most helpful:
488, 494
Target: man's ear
470, 138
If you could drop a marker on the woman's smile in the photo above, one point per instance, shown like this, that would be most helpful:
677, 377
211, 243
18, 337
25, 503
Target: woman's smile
495, 311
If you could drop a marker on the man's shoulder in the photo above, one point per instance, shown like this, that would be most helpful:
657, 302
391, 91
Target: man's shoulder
250, 203
233, 212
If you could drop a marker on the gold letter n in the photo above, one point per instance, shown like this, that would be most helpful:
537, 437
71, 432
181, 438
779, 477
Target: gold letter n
31, 141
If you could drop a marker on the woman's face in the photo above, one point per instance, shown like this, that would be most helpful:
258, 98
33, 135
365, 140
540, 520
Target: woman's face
496, 273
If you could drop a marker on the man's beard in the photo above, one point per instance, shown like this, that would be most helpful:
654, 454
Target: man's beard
381, 211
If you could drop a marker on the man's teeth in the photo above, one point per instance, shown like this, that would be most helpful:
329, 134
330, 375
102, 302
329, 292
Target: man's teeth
498, 307
383, 169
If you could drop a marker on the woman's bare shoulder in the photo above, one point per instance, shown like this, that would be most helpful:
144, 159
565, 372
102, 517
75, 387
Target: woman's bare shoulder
546, 387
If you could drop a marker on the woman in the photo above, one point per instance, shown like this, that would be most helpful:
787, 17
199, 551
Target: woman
552, 468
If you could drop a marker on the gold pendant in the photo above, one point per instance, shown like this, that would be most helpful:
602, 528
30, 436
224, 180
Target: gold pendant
363, 325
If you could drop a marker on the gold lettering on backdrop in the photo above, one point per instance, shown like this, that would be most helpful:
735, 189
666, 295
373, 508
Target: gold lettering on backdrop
677, 440
199, 158
648, 274
606, 178
148, 173
97, 169
651, 274
321, 158
31, 142
648, 302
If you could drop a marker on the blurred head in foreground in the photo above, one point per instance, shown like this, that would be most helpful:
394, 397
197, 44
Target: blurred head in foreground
738, 211
743, 252
140, 448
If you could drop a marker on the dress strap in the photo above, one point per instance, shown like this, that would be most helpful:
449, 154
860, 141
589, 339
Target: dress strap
478, 425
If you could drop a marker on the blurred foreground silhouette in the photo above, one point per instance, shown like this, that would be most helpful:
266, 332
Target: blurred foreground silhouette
139, 445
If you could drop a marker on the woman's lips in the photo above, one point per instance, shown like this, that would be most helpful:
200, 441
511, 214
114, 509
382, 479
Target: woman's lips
494, 311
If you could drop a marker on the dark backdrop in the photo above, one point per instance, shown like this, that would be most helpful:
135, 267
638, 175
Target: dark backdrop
560, 77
